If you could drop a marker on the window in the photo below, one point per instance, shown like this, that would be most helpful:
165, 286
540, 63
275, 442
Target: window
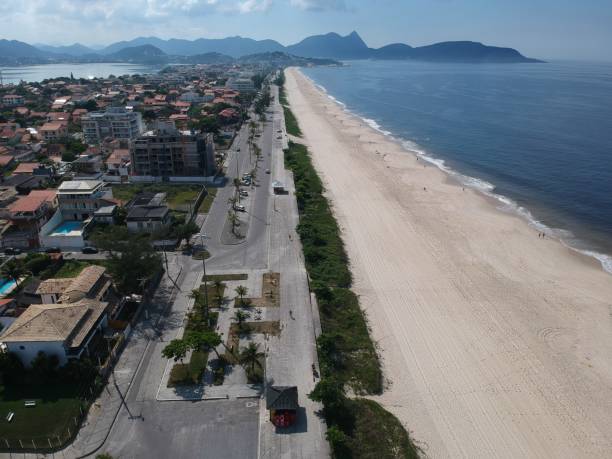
22, 348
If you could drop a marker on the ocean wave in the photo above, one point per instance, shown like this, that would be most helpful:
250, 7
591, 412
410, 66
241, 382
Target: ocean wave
567, 238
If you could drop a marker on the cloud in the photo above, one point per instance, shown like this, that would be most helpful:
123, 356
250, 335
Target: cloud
319, 5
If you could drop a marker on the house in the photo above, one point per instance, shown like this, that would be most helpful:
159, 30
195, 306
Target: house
147, 212
282, 402
53, 131
65, 330
11, 100
27, 215
77, 114
118, 163
6, 161
78, 201
92, 283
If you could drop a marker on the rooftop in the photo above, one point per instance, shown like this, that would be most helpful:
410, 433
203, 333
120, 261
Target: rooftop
80, 186
68, 323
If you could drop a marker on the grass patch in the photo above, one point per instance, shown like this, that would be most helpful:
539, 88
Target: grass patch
377, 433
291, 123
215, 296
226, 277
71, 268
207, 201
188, 374
56, 407
179, 196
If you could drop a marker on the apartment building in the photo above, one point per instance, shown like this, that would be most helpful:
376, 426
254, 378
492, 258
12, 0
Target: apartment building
167, 152
114, 122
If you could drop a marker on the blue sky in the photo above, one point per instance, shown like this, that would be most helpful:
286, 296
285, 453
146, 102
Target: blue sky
538, 28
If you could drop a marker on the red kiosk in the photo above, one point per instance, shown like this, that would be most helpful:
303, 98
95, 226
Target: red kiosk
282, 402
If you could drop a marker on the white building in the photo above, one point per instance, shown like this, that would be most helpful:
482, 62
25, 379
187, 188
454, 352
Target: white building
115, 123
63, 330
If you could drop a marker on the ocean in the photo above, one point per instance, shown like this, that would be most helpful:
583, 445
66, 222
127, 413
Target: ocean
37, 73
537, 137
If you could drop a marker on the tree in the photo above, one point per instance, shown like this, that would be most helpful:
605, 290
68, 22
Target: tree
200, 302
176, 350
234, 220
219, 289
240, 317
204, 340
131, 259
13, 269
250, 355
241, 291
11, 368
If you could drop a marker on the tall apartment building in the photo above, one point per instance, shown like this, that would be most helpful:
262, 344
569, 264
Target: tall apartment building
115, 122
167, 152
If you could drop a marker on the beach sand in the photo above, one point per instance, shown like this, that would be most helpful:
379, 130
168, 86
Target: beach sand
495, 342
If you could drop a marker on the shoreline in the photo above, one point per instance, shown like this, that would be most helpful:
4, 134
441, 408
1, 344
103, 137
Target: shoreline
496, 343
581, 246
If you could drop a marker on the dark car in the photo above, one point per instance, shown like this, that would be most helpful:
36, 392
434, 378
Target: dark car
89, 250
12, 251
53, 250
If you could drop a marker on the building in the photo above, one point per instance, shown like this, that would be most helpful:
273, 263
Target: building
241, 84
92, 283
12, 100
168, 152
282, 402
53, 131
27, 216
115, 123
148, 213
79, 199
65, 330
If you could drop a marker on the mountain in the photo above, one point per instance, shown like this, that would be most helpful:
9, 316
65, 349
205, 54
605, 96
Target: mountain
76, 49
144, 54
153, 50
393, 51
333, 46
231, 46
468, 51
13, 52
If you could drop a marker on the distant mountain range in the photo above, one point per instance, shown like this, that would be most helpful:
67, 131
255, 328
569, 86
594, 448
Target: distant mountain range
328, 46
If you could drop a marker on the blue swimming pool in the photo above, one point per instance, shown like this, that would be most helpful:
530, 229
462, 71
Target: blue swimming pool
68, 227
6, 285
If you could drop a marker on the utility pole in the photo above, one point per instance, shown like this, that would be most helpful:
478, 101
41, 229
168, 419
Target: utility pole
204, 268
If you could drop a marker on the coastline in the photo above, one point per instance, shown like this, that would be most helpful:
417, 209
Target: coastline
495, 341
503, 202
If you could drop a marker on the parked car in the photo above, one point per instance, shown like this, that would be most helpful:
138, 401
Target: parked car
244, 193
89, 250
12, 251
267, 171
53, 250
239, 208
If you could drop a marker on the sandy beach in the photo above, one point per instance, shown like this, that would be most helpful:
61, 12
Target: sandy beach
495, 342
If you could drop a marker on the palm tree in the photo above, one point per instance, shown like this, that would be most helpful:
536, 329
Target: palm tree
250, 356
240, 317
237, 188
200, 301
13, 270
234, 220
241, 291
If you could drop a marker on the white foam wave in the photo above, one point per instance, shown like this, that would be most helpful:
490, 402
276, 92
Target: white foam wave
507, 205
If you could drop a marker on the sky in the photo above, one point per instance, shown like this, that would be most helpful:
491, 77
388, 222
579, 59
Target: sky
546, 29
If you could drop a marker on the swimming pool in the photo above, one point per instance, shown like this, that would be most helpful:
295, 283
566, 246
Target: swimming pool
65, 228
6, 285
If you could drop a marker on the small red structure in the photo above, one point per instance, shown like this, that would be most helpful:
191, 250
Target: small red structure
282, 402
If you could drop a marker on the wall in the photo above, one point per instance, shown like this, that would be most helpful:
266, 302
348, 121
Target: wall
31, 349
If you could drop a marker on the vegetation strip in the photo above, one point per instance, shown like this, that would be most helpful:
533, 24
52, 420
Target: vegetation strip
356, 427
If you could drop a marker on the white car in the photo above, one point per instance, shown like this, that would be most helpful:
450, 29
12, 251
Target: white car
244, 193
239, 208
267, 171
